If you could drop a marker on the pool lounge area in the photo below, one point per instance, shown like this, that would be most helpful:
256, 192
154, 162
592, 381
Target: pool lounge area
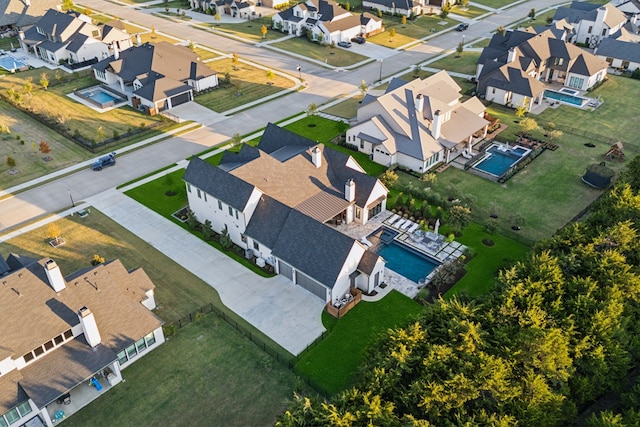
12, 64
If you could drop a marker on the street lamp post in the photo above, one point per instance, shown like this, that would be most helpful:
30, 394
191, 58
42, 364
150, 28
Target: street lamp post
463, 39
73, 205
299, 68
381, 61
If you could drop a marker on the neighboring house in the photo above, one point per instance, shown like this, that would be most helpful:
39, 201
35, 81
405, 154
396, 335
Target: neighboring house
406, 7
71, 37
19, 14
620, 54
512, 69
591, 22
418, 124
277, 200
235, 8
327, 21
156, 76
631, 8
57, 334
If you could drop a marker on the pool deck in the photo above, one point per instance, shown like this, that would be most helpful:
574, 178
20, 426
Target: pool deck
94, 107
440, 250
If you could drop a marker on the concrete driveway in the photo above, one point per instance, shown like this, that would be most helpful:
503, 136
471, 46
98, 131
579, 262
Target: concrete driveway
372, 50
286, 313
196, 112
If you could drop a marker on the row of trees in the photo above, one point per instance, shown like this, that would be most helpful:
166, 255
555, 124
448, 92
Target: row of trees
558, 332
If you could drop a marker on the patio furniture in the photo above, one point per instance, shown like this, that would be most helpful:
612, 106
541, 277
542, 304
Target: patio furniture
393, 218
58, 416
413, 228
407, 224
399, 223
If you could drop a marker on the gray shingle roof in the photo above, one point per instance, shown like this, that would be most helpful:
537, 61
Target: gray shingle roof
231, 190
267, 221
231, 160
627, 51
312, 247
275, 138
16, 12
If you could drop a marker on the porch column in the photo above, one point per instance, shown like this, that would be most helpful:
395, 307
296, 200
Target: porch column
484, 131
448, 151
469, 145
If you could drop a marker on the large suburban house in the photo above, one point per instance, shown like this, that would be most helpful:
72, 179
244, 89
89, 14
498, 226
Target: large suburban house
60, 37
418, 124
591, 22
407, 8
63, 340
156, 76
512, 70
280, 201
631, 8
235, 8
19, 14
327, 22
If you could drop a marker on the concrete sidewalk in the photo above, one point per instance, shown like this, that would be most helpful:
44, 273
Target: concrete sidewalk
286, 313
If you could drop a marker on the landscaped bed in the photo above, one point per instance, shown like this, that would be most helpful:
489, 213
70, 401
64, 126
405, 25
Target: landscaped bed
333, 363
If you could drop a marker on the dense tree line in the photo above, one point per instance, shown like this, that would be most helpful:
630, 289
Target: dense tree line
559, 331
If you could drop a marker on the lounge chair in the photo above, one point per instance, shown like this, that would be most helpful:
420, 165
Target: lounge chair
413, 228
393, 219
407, 224
400, 223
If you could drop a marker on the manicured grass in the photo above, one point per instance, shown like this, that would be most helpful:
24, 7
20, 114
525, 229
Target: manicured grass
205, 54
538, 20
250, 81
206, 374
6, 43
469, 11
481, 43
178, 292
154, 37
347, 108
28, 158
249, 30
410, 32
464, 62
496, 4
334, 56
325, 130
334, 362
77, 117
154, 196
481, 270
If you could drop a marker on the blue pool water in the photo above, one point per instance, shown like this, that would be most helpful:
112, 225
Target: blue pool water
99, 96
498, 162
563, 97
405, 261
9, 63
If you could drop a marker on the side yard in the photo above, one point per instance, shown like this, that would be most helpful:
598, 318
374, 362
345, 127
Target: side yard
410, 32
333, 363
331, 55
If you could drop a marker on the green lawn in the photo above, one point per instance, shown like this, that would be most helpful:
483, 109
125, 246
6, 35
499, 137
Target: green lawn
469, 11
334, 56
410, 32
249, 30
6, 43
334, 362
496, 4
482, 43
347, 108
205, 54
29, 160
206, 375
538, 20
250, 84
54, 102
464, 62
481, 270
323, 131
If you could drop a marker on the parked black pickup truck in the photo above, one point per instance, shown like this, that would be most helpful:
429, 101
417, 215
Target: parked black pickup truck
103, 162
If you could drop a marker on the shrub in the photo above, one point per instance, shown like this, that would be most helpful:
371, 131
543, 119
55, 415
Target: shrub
97, 259
11, 162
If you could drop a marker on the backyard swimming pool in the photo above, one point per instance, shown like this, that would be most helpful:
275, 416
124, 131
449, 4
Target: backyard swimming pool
99, 96
9, 63
499, 159
578, 101
400, 258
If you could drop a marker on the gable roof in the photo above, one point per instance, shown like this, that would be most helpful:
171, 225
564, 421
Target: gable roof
113, 295
233, 191
21, 13
626, 51
303, 241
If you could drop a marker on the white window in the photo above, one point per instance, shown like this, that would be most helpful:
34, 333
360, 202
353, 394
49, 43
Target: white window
256, 245
24, 408
188, 187
230, 211
199, 194
151, 339
219, 205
